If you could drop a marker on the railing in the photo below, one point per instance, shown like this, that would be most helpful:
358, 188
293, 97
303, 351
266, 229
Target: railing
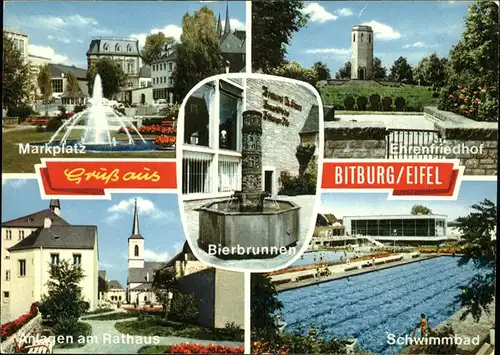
196, 173
229, 174
414, 144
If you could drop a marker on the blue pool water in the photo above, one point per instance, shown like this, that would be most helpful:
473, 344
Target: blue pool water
329, 256
372, 305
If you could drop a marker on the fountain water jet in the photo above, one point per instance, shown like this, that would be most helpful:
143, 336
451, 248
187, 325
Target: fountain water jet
99, 119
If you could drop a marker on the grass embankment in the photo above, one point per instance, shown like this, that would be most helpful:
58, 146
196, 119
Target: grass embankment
416, 97
158, 326
13, 162
114, 316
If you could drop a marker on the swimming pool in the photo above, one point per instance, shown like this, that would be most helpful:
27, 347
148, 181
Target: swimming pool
370, 306
309, 258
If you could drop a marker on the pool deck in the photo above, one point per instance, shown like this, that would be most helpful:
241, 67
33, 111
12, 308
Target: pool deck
342, 275
467, 328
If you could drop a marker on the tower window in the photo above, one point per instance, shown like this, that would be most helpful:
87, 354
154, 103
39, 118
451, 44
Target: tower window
354, 37
136, 251
369, 38
362, 37
22, 267
117, 48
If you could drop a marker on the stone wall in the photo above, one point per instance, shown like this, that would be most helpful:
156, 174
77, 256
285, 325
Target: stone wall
279, 142
351, 140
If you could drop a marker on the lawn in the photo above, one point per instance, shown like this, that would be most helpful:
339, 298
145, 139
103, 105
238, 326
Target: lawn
83, 330
114, 316
158, 326
416, 97
154, 349
100, 310
13, 162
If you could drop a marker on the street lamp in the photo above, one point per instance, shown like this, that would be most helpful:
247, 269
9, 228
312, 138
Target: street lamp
394, 234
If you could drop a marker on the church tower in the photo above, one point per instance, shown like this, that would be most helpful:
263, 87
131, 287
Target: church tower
227, 25
55, 206
135, 244
362, 52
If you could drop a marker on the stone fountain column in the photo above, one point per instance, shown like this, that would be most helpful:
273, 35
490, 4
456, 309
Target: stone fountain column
251, 196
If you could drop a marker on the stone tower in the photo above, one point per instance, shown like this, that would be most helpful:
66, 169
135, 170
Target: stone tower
362, 53
135, 244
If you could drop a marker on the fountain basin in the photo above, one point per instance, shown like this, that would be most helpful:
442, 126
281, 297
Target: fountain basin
276, 226
120, 146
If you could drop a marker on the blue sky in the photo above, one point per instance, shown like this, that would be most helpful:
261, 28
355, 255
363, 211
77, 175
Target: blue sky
159, 222
352, 204
63, 30
413, 29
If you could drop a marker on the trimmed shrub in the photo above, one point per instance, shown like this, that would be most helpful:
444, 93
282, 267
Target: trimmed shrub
375, 102
79, 108
184, 308
349, 103
53, 124
22, 112
303, 184
362, 102
400, 103
387, 104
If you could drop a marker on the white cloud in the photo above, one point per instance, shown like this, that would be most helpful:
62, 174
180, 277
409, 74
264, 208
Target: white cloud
47, 52
56, 22
14, 183
317, 13
59, 39
236, 24
344, 12
178, 247
151, 255
169, 31
337, 51
145, 208
418, 44
383, 31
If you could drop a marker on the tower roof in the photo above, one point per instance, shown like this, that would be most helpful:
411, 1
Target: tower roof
54, 204
135, 227
227, 26
362, 28
219, 27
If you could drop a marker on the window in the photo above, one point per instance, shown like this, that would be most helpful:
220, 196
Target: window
170, 81
77, 259
136, 250
362, 35
57, 86
129, 48
170, 66
106, 47
196, 124
7, 275
6, 294
7, 257
143, 84
117, 48
228, 115
130, 84
8, 234
131, 67
54, 259
21, 234
354, 37
370, 38
22, 267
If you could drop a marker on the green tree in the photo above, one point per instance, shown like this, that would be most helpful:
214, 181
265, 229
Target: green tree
72, 86
199, 55
264, 305
379, 71
164, 282
474, 59
401, 71
44, 81
102, 285
322, 71
154, 46
420, 209
344, 73
294, 70
477, 246
431, 70
273, 24
15, 76
64, 303
112, 76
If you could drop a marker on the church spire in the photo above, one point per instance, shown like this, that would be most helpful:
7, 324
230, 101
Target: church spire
135, 227
219, 27
227, 26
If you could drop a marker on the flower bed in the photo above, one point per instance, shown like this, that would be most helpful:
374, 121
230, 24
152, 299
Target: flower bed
202, 349
10, 328
474, 103
143, 308
153, 129
437, 250
164, 140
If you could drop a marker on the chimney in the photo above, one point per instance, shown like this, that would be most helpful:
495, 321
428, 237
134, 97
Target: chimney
47, 222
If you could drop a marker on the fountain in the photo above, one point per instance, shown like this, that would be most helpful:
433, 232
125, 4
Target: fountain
99, 120
250, 218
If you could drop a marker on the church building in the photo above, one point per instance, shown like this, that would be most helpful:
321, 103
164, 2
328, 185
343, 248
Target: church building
140, 272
